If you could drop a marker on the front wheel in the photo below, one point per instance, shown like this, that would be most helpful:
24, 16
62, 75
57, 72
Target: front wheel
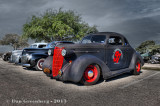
39, 64
137, 68
91, 75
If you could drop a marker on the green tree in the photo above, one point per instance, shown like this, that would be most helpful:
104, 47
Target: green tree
14, 40
145, 46
57, 25
153, 49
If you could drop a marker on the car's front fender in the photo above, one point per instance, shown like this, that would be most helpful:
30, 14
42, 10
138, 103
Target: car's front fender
74, 71
36, 56
48, 63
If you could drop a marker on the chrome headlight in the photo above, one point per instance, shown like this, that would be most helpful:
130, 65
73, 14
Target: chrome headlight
156, 58
64, 52
49, 52
29, 56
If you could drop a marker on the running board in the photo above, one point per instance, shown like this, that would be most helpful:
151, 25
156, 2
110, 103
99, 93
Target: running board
118, 72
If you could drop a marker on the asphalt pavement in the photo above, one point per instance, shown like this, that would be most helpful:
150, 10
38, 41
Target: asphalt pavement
19, 86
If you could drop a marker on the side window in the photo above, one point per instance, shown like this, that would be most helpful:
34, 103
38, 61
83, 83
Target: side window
86, 39
125, 41
34, 46
98, 39
115, 40
94, 39
41, 46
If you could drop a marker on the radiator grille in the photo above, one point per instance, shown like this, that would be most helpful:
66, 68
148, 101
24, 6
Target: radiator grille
57, 61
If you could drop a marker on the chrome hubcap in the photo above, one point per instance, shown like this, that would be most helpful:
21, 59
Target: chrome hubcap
90, 73
41, 63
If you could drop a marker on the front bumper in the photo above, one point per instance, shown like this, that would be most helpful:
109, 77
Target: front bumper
26, 62
26, 65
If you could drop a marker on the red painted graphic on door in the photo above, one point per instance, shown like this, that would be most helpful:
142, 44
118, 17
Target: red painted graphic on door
117, 56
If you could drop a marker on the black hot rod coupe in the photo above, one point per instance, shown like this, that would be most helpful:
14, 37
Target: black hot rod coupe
103, 54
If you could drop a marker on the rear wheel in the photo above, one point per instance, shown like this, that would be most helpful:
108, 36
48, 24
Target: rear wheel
6, 58
39, 64
137, 68
91, 75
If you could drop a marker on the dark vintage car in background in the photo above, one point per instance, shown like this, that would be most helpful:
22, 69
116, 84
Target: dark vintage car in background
155, 59
38, 45
17, 54
34, 57
146, 56
103, 54
6, 56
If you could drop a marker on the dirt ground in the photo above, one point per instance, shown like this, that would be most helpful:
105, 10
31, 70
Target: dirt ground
29, 87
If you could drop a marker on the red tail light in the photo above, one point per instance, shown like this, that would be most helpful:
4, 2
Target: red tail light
57, 61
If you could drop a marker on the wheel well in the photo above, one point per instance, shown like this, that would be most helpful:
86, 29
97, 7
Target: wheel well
39, 59
101, 75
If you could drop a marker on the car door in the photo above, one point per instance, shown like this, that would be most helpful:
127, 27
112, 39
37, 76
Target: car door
128, 51
116, 55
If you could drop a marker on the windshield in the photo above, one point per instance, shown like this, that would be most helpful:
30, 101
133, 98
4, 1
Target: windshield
51, 45
94, 39
33, 46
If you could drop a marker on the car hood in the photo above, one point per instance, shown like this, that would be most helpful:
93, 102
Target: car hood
17, 52
80, 45
34, 50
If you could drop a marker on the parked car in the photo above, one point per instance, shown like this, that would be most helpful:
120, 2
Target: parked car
155, 59
38, 45
146, 56
34, 57
6, 56
103, 54
17, 54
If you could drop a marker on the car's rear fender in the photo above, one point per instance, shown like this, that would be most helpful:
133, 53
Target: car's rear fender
134, 59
